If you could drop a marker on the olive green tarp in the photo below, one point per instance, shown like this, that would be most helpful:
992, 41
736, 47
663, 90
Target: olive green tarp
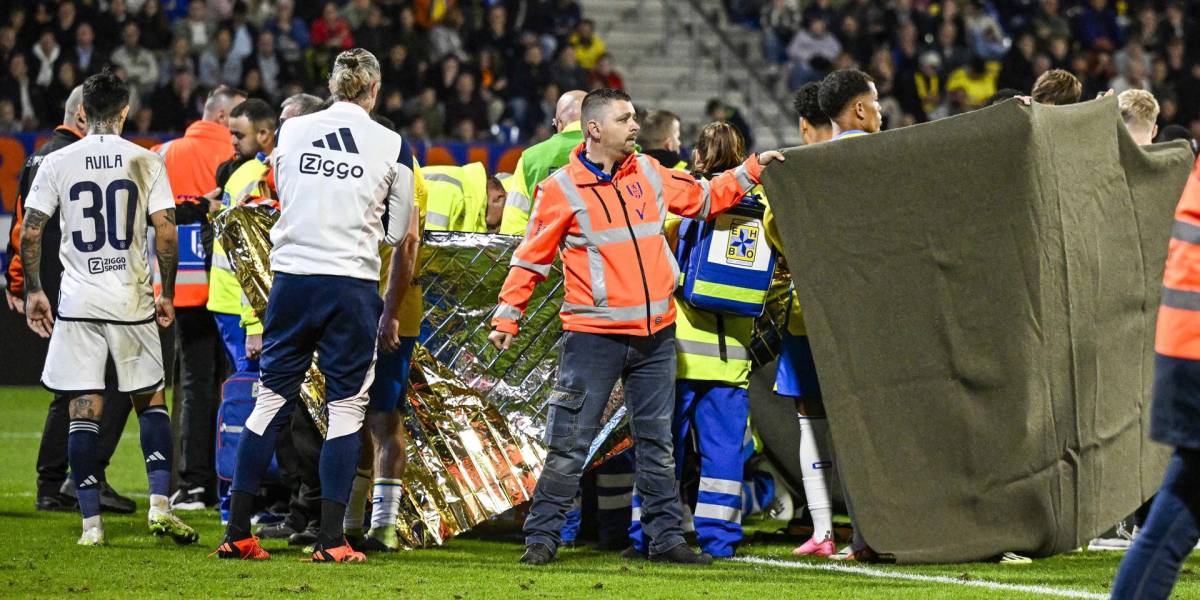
980, 294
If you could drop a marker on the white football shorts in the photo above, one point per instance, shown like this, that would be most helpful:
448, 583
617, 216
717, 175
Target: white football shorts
79, 349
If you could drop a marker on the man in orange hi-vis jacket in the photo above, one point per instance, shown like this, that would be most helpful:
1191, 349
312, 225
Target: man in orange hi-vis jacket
1152, 565
603, 213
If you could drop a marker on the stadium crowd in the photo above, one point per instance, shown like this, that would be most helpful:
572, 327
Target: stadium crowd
932, 59
467, 71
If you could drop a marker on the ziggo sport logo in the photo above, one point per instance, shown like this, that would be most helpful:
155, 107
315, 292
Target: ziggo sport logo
313, 164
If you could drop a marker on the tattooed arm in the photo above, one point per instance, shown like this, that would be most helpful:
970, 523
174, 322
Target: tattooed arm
38, 313
166, 245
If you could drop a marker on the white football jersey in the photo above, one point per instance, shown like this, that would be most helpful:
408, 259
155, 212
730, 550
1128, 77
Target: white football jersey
345, 184
104, 188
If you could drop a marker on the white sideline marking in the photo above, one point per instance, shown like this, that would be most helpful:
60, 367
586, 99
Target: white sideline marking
889, 574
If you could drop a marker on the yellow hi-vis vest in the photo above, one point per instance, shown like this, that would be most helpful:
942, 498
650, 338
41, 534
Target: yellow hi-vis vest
411, 309
224, 291
457, 198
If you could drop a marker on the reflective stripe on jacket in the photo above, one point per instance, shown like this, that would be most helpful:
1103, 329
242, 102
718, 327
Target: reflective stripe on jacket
619, 272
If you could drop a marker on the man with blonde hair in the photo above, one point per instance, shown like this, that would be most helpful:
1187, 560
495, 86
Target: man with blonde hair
338, 173
1139, 110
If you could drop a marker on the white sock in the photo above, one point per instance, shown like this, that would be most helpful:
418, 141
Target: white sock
385, 502
92, 523
358, 503
815, 464
160, 503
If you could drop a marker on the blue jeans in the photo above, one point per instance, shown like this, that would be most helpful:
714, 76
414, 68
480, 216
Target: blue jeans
588, 368
1152, 564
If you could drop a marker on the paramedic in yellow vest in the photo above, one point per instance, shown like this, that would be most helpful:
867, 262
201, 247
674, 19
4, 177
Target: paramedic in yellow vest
253, 125
712, 406
463, 199
659, 138
538, 161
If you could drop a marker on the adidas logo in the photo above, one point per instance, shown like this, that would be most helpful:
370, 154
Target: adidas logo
156, 455
341, 140
91, 480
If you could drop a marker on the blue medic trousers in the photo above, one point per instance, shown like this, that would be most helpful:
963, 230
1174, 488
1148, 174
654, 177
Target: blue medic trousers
1152, 564
589, 367
710, 418
233, 336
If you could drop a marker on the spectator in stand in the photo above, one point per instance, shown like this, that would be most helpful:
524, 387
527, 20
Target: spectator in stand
907, 53
252, 84
1017, 70
176, 106
406, 32
374, 32
987, 39
604, 75
564, 18
491, 79
467, 105
45, 54
218, 65
331, 32
977, 80
197, 29
426, 108
1048, 23
525, 82
587, 44
66, 77
178, 58
443, 78
566, 72
117, 16
1097, 29
244, 33
356, 13
8, 117
920, 93
780, 19
811, 43
445, 39
8, 42
496, 34
950, 48
272, 69
1057, 87
156, 30
291, 34
84, 53
26, 97
66, 21
1133, 78
139, 64
399, 71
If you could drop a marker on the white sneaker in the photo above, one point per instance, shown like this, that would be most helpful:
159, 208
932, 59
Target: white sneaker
1117, 539
92, 537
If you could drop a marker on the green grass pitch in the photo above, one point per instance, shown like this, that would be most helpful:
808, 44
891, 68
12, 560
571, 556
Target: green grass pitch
41, 559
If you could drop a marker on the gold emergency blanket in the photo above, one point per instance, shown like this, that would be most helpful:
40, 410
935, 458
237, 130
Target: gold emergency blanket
475, 416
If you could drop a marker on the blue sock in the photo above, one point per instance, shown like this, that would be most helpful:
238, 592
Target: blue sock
156, 448
339, 463
83, 448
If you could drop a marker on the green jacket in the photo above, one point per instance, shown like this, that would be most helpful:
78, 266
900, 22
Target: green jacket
537, 162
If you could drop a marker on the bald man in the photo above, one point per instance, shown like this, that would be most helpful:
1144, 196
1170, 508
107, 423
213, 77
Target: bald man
537, 162
55, 492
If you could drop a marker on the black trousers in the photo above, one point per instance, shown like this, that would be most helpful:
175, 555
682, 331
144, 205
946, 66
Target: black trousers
52, 452
203, 367
299, 453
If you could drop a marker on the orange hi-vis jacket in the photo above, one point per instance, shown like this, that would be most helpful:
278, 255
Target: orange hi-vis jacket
1177, 333
619, 271
192, 162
